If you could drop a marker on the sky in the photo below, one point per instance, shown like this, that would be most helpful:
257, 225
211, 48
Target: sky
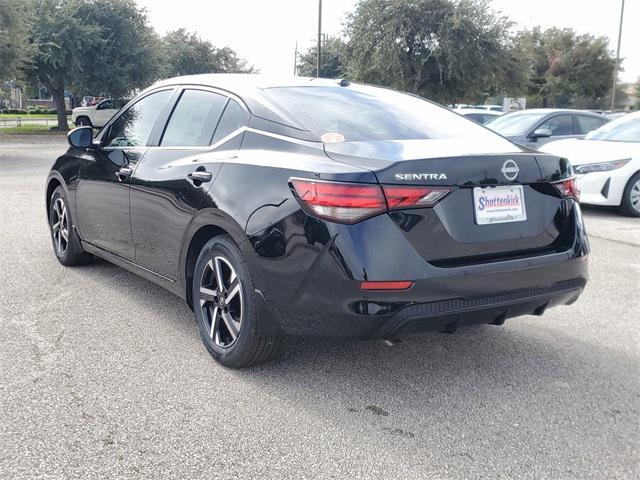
265, 32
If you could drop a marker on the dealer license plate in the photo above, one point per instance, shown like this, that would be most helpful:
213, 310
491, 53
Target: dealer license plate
499, 204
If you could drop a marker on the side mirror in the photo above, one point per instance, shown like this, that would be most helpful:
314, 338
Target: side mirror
541, 133
81, 137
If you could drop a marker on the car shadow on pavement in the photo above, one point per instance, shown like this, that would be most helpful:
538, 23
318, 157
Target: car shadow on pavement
528, 367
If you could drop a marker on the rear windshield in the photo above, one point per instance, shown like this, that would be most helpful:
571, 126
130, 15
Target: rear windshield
516, 123
358, 114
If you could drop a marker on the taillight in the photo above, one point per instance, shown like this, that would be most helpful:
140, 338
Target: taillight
351, 202
568, 188
401, 196
338, 201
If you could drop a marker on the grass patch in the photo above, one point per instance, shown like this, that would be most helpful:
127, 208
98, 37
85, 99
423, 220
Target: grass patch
39, 116
32, 130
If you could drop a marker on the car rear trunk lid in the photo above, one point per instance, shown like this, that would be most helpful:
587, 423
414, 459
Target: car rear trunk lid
452, 233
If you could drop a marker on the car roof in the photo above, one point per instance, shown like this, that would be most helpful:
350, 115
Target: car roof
483, 111
250, 89
246, 80
558, 110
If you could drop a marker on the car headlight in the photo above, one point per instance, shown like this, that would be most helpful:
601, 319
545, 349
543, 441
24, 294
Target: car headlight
602, 166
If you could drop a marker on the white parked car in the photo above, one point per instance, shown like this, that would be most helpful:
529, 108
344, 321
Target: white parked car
96, 116
607, 162
492, 108
478, 115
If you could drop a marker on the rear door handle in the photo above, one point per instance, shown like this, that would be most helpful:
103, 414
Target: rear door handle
200, 176
124, 172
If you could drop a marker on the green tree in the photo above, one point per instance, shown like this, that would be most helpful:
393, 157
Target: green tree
93, 46
14, 46
566, 69
185, 53
125, 51
62, 41
443, 49
332, 59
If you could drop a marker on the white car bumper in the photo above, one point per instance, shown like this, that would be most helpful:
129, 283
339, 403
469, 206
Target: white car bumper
605, 188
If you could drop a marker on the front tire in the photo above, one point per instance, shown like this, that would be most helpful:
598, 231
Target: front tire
225, 306
66, 244
630, 205
83, 122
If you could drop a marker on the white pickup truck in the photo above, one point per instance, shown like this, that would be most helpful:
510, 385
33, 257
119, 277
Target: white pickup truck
96, 116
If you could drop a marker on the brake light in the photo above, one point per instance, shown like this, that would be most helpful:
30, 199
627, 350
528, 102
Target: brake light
339, 201
351, 202
401, 196
568, 188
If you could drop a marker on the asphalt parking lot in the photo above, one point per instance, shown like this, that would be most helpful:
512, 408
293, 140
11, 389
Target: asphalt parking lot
102, 375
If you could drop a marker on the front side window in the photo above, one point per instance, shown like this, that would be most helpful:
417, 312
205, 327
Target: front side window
194, 119
558, 125
133, 127
106, 105
587, 124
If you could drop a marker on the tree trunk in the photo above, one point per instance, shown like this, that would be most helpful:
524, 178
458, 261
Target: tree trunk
58, 100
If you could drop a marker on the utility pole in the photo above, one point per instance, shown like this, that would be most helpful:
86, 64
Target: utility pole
320, 37
295, 61
615, 72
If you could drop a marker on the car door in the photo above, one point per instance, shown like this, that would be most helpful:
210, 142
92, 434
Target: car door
102, 192
171, 183
560, 125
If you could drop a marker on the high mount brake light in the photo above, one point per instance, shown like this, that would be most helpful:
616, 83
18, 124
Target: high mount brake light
568, 188
351, 202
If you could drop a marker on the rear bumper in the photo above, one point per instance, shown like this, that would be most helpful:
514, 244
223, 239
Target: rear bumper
448, 315
330, 306
311, 282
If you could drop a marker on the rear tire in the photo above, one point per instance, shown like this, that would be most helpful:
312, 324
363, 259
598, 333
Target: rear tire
66, 244
225, 307
630, 205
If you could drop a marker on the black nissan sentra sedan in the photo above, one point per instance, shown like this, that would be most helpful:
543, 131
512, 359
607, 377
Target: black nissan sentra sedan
318, 207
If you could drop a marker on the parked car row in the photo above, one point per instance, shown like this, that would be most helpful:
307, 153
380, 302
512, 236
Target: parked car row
607, 162
535, 127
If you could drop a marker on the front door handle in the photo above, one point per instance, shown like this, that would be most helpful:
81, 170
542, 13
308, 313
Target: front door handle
124, 172
200, 176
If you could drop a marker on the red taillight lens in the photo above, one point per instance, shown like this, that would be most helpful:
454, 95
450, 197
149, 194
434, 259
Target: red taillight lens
338, 201
402, 285
351, 202
401, 196
569, 188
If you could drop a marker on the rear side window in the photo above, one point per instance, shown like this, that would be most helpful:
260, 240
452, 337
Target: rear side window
133, 127
194, 119
232, 119
559, 125
586, 123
